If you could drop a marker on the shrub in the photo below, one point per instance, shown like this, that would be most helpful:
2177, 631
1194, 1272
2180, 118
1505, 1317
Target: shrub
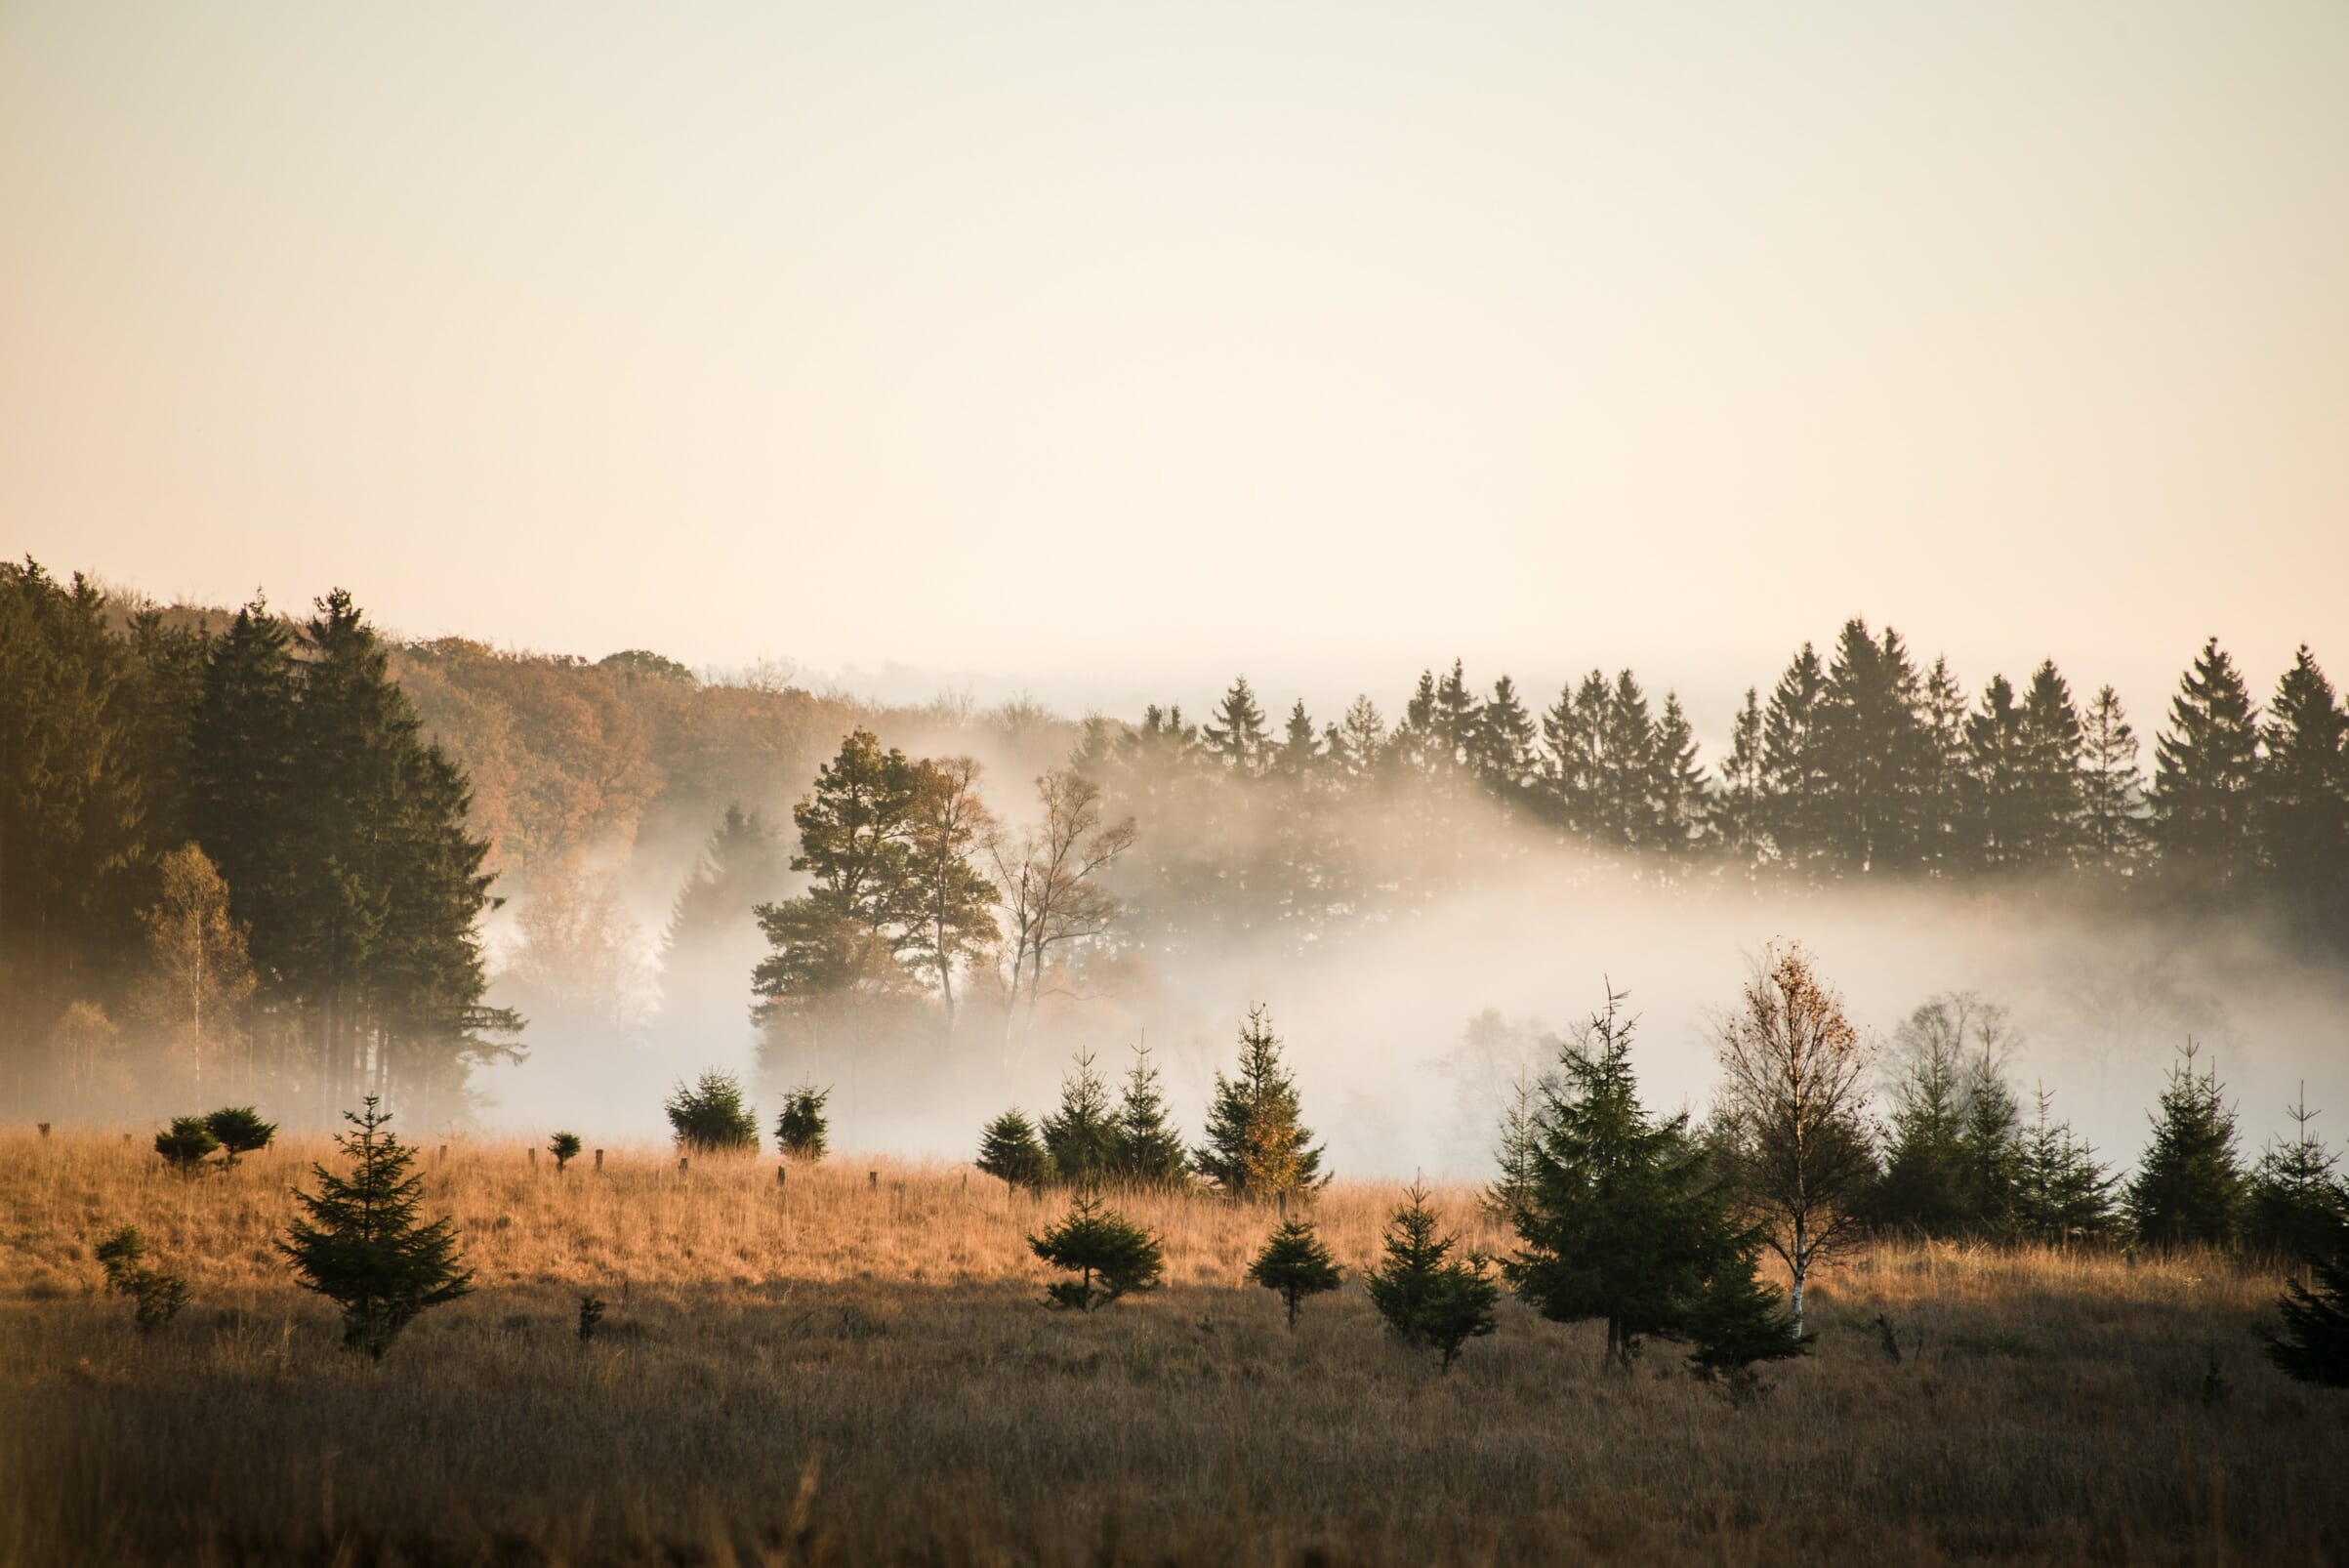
1294, 1265
156, 1296
1110, 1256
186, 1144
564, 1147
362, 1246
591, 1313
711, 1117
240, 1129
1009, 1149
800, 1131
1429, 1298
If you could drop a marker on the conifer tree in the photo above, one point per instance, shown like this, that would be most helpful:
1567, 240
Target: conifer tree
1147, 1150
2188, 1190
564, 1147
1625, 1224
1739, 813
1430, 1300
1300, 751
2112, 788
2050, 794
1358, 742
1110, 1256
2314, 1347
1998, 812
2064, 1193
361, 1243
1235, 733
1871, 752
240, 1131
1944, 845
1955, 1152
802, 1129
2302, 814
1736, 1319
1256, 1145
742, 866
1794, 765
1626, 778
1081, 1135
1518, 1153
1501, 745
1573, 745
710, 1116
2294, 1204
950, 913
186, 1144
2204, 774
1990, 1148
1294, 1265
1011, 1151
1680, 797
156, 1295
1457, 718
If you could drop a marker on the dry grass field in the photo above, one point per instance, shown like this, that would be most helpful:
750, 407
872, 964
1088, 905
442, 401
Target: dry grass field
835, 1371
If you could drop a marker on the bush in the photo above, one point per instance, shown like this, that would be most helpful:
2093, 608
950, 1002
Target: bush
187, 1144
1430, 1300
1110, 1256
564, 1147
1296, 1265
711, 1117
155, 1296
1011, 1150
800, 1131
591, 1313
240, 1129
362, 1246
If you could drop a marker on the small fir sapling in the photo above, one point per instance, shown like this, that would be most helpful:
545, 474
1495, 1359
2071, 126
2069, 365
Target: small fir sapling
1429, 1298
156, 1295
1110, 1256
1009, 1151
1294, 1265
801, 1130
564, 1147
186, 1144
240, 1131
2314, 1347
362, 1245
591, 1313
711, 1117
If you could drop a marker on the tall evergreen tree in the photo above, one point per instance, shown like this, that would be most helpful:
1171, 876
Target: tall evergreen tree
2188, 1186
1235, 736
1997, 808
1739, 815
1926, 1185
1299, 752
2112, 788
1572, 746
1081, 1135
2065, 1193
1678, 794
1945, 842
1872, 743
1357, 742
1626, 771
1147, 1149
1794, 766
2206, 768
2295, 1203
2302, 799
1256, 1145
2049, 804
1501, 742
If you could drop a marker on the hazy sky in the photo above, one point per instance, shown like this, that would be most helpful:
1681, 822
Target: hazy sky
1107, 349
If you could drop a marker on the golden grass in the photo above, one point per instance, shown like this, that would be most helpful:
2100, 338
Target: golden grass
834, 1371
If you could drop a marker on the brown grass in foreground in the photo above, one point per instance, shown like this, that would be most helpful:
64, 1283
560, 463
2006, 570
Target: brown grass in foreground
837, 1371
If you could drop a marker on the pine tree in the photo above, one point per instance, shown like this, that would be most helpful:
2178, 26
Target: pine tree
1082, 1136
1235, 735
2295, 1205
1256, 1145
1794, 766
2302, 804
1429, 1298
361, 1243
1358, 742
1626, 773
1739, 817
1998, 808
1294, 1265
1147, 1150
2049, 804
2205, 774
1736, 1319
1457, 718
2064, 1193
1501, 745
2314, 1347
1625, 1222
1680, 797
240, 1131
1110, 1256
1989, 1149
2112, 788
710, 1116
1872, 755
1572, 746
1011, 1151
801, 1129
2188, 1190
186, 1144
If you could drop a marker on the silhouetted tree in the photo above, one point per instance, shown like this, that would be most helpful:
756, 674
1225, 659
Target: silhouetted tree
2187, 1189
2314, 1347
564, 1147
2295, 1205
2064, 1193
2206, 771
240, 1131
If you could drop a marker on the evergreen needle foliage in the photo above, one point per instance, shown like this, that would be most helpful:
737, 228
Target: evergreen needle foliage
1294, 1265
1146, 1151
1257, 1145
1430, 1300
2314, 1345
1082, 1135
2189, 1186
1009, 1151
801, 1129
710, 1116
591, 1313
362, 1246
1110, 1256
186, 1144
156, 1295
240, 1131
564, 1147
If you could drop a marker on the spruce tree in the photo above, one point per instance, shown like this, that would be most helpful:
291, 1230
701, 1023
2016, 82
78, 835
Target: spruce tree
1572, 751
1502, 746
1300, 752
1680, 798
1146, 1149
155, 1295
564, 1147
2206, 774
1989, 1149
1736, 1319
1430, 1300
1794, 766
1738, 816
709, 1116
1235, 734
1997, 815
361, 1243
801, 1129
1010, 1151
1294, 1265
1110, 1256
2314, 1347
2188, 1190
240, 1131
1872, 755
2302, 814
1626, 773
1257, 1143
1081, 1135
1945, 845
2294, 1204
2050, 797
2112, 788
186, 1144
1518, 1153
2064, 1193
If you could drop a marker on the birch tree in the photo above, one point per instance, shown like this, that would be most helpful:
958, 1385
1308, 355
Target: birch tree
1792, 1108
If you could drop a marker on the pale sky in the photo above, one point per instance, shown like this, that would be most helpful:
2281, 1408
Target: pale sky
1104, 350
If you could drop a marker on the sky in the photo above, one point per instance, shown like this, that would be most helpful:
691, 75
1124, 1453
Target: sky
1102, 350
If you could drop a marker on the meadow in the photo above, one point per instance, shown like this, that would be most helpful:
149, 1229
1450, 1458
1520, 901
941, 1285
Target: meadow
855, 1365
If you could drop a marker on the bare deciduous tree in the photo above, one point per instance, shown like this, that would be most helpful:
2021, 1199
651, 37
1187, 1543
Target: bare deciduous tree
1793, 1112
1047, 874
